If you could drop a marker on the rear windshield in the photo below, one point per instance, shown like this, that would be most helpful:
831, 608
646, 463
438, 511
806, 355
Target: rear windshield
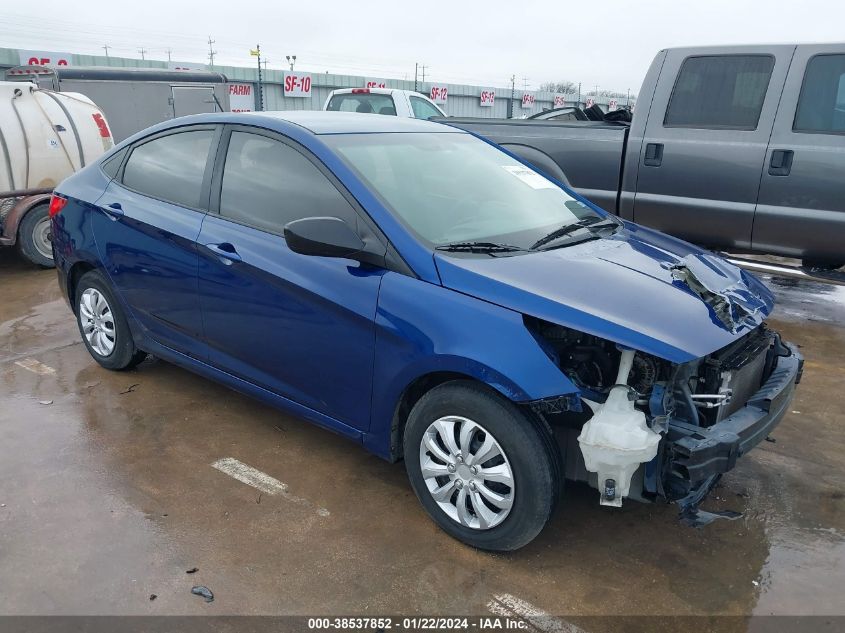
365, 103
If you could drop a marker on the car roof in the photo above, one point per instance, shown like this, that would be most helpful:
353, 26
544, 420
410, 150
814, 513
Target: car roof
321, 122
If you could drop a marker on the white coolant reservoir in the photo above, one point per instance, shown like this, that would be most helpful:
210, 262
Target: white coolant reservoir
616, 440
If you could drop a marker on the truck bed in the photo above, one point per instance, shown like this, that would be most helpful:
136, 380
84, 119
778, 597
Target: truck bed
589, 153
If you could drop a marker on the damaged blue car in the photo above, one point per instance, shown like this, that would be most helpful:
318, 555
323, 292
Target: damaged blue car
428, 295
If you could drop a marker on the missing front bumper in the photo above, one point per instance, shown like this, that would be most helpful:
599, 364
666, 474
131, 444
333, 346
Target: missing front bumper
698, 454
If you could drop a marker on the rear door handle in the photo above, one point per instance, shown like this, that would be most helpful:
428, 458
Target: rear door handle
114, 211
224, 251
653, 154
780, 163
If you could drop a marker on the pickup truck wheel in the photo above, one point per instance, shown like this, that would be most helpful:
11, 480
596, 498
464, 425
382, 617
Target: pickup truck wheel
479, 466
35, 241
103, 325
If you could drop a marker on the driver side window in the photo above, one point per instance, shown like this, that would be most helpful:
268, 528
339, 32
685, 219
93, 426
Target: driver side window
423, 109
267, 184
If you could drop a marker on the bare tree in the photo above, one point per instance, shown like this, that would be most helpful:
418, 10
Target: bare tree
564, 86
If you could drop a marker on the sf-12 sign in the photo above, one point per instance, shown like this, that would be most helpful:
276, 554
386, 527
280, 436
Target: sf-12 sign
297, 85
488, 98
589, 103
375, 83
560, 101
612, 105
439, 94
527, 100
44, 58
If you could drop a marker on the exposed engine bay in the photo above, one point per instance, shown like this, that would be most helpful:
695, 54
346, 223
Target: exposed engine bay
631, 401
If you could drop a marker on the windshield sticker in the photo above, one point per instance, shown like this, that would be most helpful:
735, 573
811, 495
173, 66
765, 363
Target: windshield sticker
529, 177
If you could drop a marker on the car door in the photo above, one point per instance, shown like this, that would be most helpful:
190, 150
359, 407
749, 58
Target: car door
705, 140
299, 326
146, 229
801, 209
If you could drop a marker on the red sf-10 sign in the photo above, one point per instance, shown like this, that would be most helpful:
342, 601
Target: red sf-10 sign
43, 58
439, 94
297, 85
560, 101
375, 83
527, 100
488, 97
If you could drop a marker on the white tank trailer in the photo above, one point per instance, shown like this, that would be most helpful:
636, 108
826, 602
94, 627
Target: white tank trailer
44, 137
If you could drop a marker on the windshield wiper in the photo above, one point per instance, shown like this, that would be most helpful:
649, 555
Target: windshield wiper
479, 247
593, 222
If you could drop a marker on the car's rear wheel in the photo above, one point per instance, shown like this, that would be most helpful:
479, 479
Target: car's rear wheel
35, 237
479, 466
103, 325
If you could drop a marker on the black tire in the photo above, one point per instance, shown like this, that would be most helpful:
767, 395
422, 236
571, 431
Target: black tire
124, 354
33, 243
533, 467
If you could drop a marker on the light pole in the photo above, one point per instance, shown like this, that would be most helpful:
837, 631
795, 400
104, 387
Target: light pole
291, 60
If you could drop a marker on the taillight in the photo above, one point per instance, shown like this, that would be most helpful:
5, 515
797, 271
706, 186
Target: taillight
57, 203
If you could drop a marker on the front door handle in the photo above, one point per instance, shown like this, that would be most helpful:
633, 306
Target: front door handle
224, 251
113, 211
653, 154
780, 163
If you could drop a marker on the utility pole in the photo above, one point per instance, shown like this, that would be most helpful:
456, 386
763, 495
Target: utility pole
423, 72
143, 52
291, 60
265, 62
260, 86
168, 51
579, 94
513, 96
211, 52
628, 100
525, 83
416, 70
106, 48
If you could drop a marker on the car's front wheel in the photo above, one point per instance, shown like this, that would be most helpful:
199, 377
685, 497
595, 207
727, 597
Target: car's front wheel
482, 469
103, 325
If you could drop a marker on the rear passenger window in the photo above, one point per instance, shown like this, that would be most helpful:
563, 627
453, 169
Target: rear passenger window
362, 102
821, 107
170, 168
267, 184
720, 91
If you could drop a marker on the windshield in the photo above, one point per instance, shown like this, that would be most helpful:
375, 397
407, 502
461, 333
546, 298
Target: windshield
449, 188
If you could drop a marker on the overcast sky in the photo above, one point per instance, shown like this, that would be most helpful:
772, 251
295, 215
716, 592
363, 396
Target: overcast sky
605, 43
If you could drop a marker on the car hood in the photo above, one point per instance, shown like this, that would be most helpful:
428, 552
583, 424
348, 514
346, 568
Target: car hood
639, 288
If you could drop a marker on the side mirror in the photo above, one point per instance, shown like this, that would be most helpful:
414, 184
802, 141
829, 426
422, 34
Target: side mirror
326, 237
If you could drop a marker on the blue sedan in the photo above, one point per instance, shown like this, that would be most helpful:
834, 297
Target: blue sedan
430, 296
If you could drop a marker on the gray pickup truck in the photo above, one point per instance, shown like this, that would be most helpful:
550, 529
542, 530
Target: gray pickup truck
740, 148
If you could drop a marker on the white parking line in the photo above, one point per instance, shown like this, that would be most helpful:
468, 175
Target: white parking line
509, 606
36, 367
261, 481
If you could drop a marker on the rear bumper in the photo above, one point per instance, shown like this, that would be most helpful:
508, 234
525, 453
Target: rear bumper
696, 453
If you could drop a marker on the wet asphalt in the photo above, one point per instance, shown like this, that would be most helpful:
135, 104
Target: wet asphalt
108, 496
